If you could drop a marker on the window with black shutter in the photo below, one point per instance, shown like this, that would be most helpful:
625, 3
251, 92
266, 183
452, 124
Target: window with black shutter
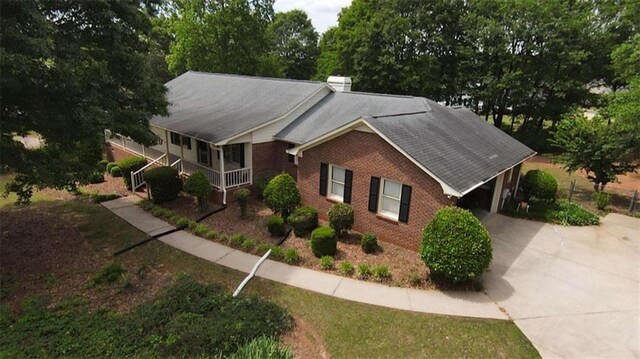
405, 203
324, 173
348, 180
374, 188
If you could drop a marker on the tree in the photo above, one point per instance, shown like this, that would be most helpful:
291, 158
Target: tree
599, 149
226, 36
295, 43
328, 62
70, 69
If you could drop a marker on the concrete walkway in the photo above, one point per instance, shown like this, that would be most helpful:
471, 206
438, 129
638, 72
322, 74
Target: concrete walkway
467, 304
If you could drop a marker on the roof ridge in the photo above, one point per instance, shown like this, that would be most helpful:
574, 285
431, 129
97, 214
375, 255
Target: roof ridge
400, 114
378, 94
255, 77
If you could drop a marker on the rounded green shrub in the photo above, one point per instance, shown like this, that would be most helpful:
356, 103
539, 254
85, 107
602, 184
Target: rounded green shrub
102, 166
381, 273
363, 271
282, 195
346, 268
198, 186
275, 225
303, 220
163, 183
183, 222
369, 242
128, 165
277, 253
455, 246
115, 171
96, 177
539, 185
341, 217
110, 165
242, 196
602, 200
324, 242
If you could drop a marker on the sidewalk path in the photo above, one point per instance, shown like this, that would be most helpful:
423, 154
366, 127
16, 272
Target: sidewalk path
467, 304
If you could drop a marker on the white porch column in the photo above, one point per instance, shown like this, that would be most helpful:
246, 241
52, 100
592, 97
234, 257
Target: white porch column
166, 142
181, 149
497, 192
223, 184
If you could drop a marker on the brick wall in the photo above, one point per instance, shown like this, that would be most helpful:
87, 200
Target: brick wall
271, 157
115, 154
366, 154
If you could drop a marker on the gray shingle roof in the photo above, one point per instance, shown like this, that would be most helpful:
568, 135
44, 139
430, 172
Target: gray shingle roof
454, 144
340, 108
215, 107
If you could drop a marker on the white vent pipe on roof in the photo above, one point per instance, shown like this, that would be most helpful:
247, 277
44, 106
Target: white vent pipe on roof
340, 83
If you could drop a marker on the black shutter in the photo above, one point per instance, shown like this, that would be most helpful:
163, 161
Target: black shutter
374, 188
324, 173
241, 150
348, 178
405, 202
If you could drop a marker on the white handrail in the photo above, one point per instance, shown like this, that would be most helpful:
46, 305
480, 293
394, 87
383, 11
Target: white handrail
138, 175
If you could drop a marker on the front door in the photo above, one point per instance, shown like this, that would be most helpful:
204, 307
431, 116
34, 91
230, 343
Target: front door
204, 153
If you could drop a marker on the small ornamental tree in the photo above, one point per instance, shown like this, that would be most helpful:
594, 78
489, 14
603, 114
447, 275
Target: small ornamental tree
128, 165
341, 217
164, 184
282, 195
198, 186
455, 246
242, 196
303, 220
540, 185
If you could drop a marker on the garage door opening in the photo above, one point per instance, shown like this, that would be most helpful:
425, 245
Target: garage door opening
479, 200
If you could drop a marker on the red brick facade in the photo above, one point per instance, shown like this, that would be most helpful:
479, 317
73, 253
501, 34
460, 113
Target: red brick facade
115, 154
270, 158
367, 155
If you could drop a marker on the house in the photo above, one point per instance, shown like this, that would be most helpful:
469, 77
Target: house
395, 159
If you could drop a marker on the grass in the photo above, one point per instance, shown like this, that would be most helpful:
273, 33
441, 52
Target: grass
344, 328
558, 212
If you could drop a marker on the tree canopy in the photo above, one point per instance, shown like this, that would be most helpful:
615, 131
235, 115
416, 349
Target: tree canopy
70, 69
295, 43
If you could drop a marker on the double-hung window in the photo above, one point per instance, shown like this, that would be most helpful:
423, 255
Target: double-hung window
175, 139
336, 182
390, 198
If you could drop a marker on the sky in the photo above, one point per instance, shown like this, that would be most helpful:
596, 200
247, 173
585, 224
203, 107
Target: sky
323, 13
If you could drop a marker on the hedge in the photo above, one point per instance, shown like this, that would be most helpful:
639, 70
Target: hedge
163, 184
303, 220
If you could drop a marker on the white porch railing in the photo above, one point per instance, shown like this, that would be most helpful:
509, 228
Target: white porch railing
237, 177
233, 178
212, 175
137, 177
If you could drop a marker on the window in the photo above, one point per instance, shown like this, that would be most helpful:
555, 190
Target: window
175, 139
234, 153
336, 182
204, 153
390, 195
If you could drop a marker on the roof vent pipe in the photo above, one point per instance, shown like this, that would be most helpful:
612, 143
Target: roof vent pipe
340, 83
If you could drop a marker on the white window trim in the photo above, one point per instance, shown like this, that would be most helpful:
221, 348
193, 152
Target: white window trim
330, 182
381, 212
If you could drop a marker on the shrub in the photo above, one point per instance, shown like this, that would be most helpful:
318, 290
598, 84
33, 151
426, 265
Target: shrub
200, 230
237, 239
146, 205
281, 194
96, 177
539, 184
346, 268
248, 244
110, 165
558, 212
242, 196
381, 273
212, 234
602, 200
275, 225
324, 242
263, 347
415, 279
128, 165
163, 183
303, 220
263, 248
261, 184
369, 242
291, 256
193, 225
115, 171
224, 238
363, 271
199, 186
341, 217
455, 245
326, 262
277, 253
183, 222
102, 166
109, 274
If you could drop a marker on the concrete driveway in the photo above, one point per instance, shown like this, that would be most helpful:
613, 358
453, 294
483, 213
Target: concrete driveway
573, 291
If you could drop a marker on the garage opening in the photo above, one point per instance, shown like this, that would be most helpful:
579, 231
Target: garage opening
479, 200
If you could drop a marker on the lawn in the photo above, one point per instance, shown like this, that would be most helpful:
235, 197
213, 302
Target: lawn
325, 326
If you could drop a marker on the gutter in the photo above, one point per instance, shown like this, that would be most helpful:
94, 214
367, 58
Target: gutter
465, 192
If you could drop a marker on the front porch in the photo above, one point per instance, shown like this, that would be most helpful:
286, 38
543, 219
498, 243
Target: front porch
189, 155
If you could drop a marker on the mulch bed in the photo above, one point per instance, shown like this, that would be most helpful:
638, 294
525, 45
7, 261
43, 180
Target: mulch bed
402, 263
110, 185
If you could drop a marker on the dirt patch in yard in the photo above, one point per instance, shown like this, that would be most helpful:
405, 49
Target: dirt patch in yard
110, 185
